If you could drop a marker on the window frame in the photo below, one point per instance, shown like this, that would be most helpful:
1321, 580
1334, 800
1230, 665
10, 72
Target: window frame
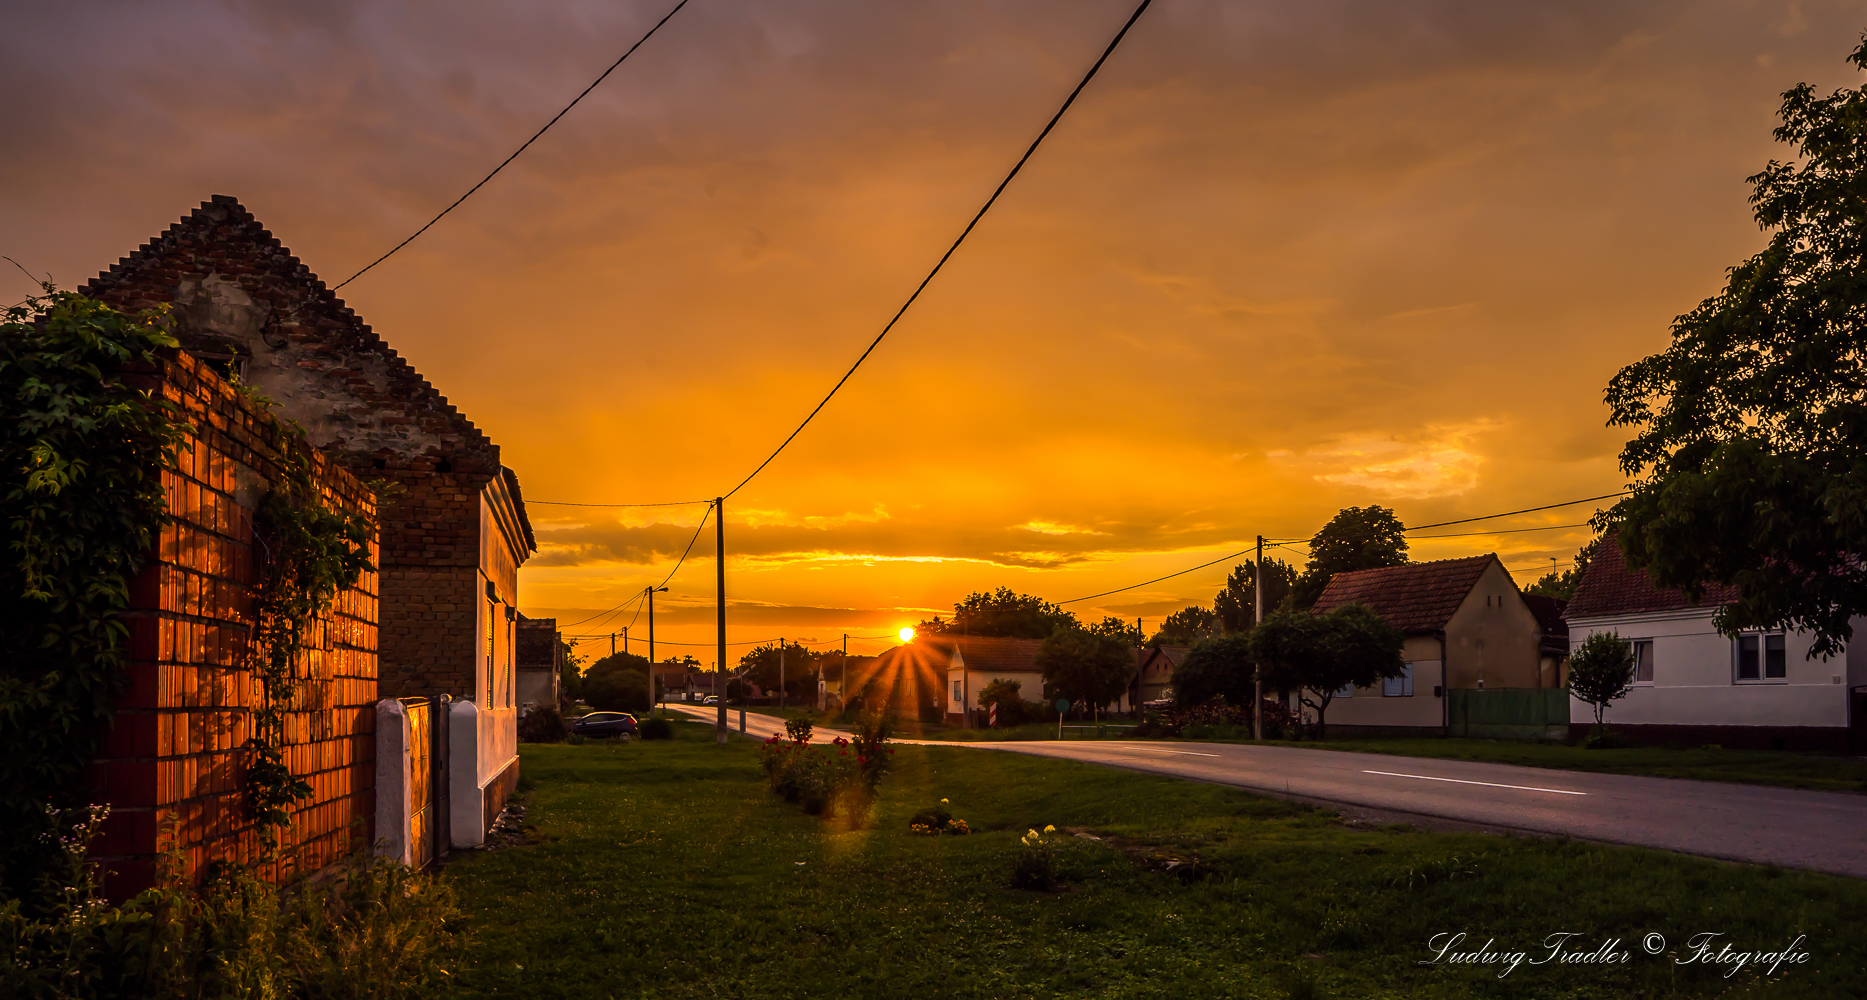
1763, 665
1404, 683
1633, 646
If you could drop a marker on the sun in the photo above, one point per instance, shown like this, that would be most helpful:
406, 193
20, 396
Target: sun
906, 634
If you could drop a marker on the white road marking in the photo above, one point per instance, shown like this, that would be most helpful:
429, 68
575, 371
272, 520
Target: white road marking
1488, 784
1188, 753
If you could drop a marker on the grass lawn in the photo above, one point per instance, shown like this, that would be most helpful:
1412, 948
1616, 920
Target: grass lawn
666, 869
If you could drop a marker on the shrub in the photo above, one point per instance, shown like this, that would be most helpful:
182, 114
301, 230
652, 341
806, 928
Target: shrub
656, 729
1601, 672
936, 821
798, 729
378, 929
1035, 864
542, 725
838, 780
1215, 718
616, 690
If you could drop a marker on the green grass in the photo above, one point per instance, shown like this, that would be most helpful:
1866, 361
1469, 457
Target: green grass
668, 870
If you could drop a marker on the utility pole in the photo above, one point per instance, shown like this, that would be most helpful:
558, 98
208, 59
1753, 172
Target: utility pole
842, 674
612, 644
1257, 618
781, 675
719, 581
625, 641
652, 591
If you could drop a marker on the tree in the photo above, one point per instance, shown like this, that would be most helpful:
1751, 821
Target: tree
1318, 656
1220, 667
1084, 666
570, 674
1006, 695
1119, 628
1004, 614
1236, 605
1187, 627
618, 682
1355, 538
1600, 672
1562, 586
800, 668
1749, 454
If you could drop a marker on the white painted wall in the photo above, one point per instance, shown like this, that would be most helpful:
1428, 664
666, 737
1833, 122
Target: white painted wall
1694, 677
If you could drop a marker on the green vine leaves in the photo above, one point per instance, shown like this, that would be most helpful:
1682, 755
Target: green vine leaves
81, 504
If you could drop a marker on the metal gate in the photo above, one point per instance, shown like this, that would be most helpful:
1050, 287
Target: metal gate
1857, 721
1509, 713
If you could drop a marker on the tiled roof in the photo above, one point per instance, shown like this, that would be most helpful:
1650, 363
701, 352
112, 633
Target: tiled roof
1416, 597
1161, 659
988, 654
1610, 587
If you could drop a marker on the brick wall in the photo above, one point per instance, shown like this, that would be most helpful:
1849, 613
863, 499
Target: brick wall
172, 769
238, 296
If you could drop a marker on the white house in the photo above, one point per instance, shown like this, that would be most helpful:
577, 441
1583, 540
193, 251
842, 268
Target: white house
1693, 685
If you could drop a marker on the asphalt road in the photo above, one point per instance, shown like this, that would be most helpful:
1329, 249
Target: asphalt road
1822, 831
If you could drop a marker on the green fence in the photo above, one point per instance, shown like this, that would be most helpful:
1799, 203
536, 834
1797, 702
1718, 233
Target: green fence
1510, 713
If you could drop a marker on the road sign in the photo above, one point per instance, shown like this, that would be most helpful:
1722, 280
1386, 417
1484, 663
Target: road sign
1063, 704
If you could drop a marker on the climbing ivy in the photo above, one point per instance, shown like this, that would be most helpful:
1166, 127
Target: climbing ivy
308, 554
81, 504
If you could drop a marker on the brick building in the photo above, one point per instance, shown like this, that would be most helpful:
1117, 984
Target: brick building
174, 761
453, 525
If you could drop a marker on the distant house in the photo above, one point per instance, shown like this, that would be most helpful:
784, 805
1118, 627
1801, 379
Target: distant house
952, 670
538, 660
1694, 685
1467, 628
1154, 672
454, 530
1553, 651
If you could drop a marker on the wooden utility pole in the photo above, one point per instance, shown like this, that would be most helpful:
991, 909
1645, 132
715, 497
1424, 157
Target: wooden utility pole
719, 581
781, 675
625, 640
1257, 618
612, 644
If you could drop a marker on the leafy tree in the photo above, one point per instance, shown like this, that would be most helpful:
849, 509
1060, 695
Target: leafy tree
1220, 667
1601, 672
1355, 538
1008, 696
1004, 614
1749, 455
1562, 586
618, 682
570, 673
1084, 666
1319, 655
800, 668
1187, 627
1119, 628
1236, 605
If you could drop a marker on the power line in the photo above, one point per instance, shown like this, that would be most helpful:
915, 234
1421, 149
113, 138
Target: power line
1505, 531
1169, 576
669, 503
950, 250
664, 580
606, 614
521, 149
1526, 510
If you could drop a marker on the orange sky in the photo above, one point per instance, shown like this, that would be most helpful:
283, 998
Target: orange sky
1280, 259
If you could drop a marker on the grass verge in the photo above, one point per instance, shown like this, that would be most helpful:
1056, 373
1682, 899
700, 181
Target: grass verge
668, 870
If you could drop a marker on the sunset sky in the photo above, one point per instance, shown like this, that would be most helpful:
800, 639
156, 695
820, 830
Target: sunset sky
1279, 259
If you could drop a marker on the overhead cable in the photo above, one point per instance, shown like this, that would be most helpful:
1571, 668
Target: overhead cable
521, 149
950, 250
1526, 510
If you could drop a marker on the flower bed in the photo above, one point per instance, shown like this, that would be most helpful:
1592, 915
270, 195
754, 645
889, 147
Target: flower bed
834, 780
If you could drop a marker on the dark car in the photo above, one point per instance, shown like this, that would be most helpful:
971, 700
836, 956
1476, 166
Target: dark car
618, 724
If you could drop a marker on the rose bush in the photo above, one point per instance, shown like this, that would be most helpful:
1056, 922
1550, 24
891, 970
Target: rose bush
838, 780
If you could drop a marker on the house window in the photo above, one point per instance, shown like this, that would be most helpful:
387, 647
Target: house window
1399, 687
1761, 656
1643, 661
1348, 691
958, 695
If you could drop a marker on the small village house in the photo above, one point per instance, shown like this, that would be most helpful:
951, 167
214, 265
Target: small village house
1154, 672
453, 525
539, 660
1467, 629
1694, 685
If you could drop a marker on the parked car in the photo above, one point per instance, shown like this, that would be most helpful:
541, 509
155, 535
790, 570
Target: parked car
618, 724
712, 699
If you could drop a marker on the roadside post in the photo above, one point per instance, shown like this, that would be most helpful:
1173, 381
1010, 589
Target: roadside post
1063, 705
